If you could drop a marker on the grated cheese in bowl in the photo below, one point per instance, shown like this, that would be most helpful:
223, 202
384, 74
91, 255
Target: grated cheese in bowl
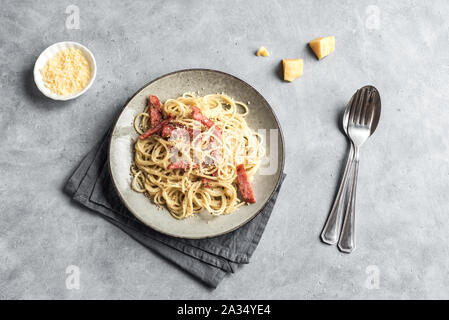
67, 73
65, 70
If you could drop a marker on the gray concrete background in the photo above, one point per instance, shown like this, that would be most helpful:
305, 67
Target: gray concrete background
403, 188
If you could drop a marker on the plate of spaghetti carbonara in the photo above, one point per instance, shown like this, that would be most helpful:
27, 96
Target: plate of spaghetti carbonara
196, 153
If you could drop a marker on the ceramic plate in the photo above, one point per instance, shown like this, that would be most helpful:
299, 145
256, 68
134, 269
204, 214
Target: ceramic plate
203, 82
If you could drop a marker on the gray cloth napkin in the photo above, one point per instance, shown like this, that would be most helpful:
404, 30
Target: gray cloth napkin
207, 259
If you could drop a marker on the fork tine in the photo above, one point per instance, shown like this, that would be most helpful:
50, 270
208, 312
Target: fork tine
372, 106
369, 110
359, 106
370, 119
354, 103
365, 106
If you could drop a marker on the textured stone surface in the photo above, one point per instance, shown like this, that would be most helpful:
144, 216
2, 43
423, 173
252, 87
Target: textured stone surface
403, 184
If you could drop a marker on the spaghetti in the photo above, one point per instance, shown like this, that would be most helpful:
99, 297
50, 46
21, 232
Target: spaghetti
194, 152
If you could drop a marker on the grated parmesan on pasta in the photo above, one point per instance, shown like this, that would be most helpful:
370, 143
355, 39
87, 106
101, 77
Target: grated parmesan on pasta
67, 73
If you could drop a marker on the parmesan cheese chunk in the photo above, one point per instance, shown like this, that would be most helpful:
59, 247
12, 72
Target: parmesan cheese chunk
322, 47
263, 52
67, 73
292, 69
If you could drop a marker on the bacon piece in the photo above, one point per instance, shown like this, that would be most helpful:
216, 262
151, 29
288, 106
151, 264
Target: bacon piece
154, 101
181, 165
156, 129
166, 130
197, 115
178, 165
205, 182
155, 117
244, 185
155, 110
217, 131
192, 132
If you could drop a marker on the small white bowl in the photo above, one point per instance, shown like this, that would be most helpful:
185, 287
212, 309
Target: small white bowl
49, 53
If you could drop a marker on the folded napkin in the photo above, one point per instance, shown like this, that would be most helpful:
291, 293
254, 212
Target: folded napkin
207, 259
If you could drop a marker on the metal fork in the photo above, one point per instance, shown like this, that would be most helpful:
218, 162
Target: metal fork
363, 119
332, 226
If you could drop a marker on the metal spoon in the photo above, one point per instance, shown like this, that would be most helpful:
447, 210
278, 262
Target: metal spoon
330, 233
363, 120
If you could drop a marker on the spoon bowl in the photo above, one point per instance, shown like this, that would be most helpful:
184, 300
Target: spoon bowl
376, 106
